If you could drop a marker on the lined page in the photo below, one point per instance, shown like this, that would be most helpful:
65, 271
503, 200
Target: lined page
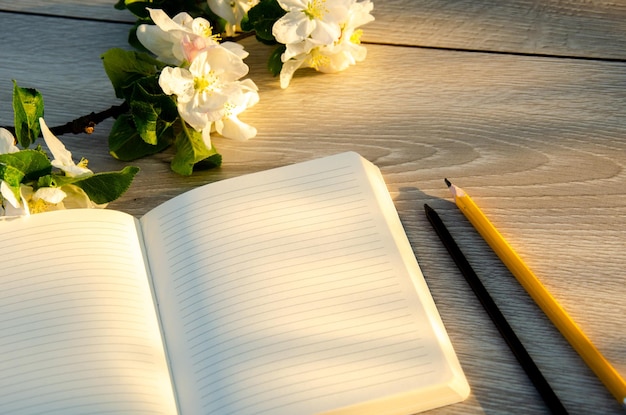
284, 292
79, 328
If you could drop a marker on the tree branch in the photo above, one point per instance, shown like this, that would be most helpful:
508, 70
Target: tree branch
86, 123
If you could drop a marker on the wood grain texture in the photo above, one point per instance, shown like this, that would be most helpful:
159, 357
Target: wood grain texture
540, 144
595, 28
92, 9
548, 27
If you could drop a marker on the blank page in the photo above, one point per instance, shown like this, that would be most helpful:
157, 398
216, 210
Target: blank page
79, 327
285, 292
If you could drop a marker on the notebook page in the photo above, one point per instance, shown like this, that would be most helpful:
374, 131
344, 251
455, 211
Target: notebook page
79, 328
278, 294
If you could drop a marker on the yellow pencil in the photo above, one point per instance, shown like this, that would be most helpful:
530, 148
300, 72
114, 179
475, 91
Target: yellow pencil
557, 314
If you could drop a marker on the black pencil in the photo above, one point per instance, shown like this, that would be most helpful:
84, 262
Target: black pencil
518, 349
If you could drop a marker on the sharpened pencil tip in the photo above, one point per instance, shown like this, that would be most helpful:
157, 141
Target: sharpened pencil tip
427, 208
447, 182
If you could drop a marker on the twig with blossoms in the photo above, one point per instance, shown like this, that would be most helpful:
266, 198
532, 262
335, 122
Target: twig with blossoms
321, 34
190, 89
32, 183
184, 83
206, 78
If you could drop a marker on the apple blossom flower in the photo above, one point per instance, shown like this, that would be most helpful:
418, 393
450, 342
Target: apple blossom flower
62, 156
30, 201
229, 125
43, 199
30, 198
232, 11
319, 20
333, 57
77, 198
210, 91
178, 39
46, 199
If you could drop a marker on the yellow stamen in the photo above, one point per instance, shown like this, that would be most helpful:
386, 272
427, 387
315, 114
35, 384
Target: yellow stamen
316, 9
39, 206
206, 30
205, 83
228, 110
317, 60
356, 36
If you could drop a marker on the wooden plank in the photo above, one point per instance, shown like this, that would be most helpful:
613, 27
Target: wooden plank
538, 142
554, 27
90, 9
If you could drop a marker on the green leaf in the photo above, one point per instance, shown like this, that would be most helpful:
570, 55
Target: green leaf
106, 187
22, 166
126, 144
120, 5
275, 63
261, 19
210, 162
151, 109
47, 181
12, 177
27, 108
124, 68
146, 118
190, 150
245, 24
31, 164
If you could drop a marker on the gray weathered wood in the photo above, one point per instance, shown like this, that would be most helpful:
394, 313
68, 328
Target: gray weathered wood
555, 27
538, 142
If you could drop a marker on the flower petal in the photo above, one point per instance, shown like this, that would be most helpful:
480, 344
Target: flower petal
62, 156
288, 69
7, 142
52, 195
326, 32
177, 81
77, 198
223, 9
56, 147
157, 42
236, 48
235, 129
8, 195
206, 136
292, 27
163, 21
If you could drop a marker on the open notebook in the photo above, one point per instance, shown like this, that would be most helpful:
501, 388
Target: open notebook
289, 291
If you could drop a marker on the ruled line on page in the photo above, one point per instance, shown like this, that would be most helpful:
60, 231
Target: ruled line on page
285, 277
74, 311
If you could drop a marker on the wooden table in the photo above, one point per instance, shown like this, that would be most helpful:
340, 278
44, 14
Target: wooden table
522, 103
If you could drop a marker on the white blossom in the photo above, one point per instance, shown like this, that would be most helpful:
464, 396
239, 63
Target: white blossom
29, 199
330, 57
319, 20
62, 157
176, 40
210, 91
229, 125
